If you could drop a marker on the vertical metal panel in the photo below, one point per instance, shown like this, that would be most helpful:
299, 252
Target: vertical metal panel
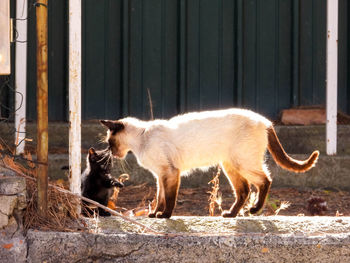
102, 64
94, 63
113, 60
312, 52
226, 53
136, 88
153, 58
58, 92
267, 56
250, 56
31, 67
295, 54
343, 57
209, 84
239, 50
285, 57
152, 54
182, 55
170, 34
125, 54
58, 60
267, 52
210, 61
192, 55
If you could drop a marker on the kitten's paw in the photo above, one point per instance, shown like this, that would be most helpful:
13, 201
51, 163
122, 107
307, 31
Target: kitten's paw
228, 213
152, 215
162, 215
104, 213
118, 184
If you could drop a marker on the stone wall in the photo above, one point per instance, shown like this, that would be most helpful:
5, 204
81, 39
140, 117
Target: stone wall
12, 203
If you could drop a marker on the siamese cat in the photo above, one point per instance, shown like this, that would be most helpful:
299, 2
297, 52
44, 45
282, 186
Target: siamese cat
236, 139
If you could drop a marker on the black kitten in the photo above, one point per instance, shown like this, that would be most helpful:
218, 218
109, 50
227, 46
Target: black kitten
97, 182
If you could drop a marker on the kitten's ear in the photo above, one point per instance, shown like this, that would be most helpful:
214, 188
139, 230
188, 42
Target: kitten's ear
92, 152
113, 125
92, 155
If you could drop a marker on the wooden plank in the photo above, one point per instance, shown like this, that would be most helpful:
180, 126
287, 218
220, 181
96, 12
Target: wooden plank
5, 58
21, 74
332, 76
75, 71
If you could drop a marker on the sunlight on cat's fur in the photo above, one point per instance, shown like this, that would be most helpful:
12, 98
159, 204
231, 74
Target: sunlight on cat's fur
236, 139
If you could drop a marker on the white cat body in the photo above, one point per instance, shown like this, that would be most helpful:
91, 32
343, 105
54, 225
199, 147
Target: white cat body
200, 139
236, 139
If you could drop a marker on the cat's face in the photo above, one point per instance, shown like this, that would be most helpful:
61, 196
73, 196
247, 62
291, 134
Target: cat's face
116, 138
100, 160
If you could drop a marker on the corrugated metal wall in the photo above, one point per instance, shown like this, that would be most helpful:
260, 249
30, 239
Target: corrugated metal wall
193, 55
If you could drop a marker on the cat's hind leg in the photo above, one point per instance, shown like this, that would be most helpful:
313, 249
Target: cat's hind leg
262, 181
240, 187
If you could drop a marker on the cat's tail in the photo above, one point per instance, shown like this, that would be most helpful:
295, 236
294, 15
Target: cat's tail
281, 157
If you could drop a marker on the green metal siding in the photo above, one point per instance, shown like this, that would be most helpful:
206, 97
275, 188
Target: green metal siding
193, 55
57, 60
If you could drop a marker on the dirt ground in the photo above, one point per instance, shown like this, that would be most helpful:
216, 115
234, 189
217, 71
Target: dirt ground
194, 201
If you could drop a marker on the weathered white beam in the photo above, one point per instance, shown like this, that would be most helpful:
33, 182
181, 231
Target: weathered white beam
5, 38
21, 73
75, 95
332, 76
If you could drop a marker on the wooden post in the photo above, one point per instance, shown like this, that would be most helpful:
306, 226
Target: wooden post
5, 38
332, 76
75, 95
42, 104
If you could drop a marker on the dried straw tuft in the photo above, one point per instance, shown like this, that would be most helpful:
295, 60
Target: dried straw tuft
215, 195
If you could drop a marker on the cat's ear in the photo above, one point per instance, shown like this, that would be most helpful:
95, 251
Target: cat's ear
113, 125
92, 152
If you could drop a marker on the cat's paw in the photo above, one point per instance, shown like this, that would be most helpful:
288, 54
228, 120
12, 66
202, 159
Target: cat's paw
162, 215
254, 210
228, 213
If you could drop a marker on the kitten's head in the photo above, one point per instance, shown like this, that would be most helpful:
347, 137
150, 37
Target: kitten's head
116, 138
100, 161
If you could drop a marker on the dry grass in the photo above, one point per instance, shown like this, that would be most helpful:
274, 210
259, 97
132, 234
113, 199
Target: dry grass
61, 212
62, 207
215, 198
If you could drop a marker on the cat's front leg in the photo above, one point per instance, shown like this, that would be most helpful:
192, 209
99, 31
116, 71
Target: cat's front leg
109, 181
170, 182
160, 200
116, 183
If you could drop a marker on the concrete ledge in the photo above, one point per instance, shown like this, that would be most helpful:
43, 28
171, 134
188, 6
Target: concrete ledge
211, 246
295, 225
